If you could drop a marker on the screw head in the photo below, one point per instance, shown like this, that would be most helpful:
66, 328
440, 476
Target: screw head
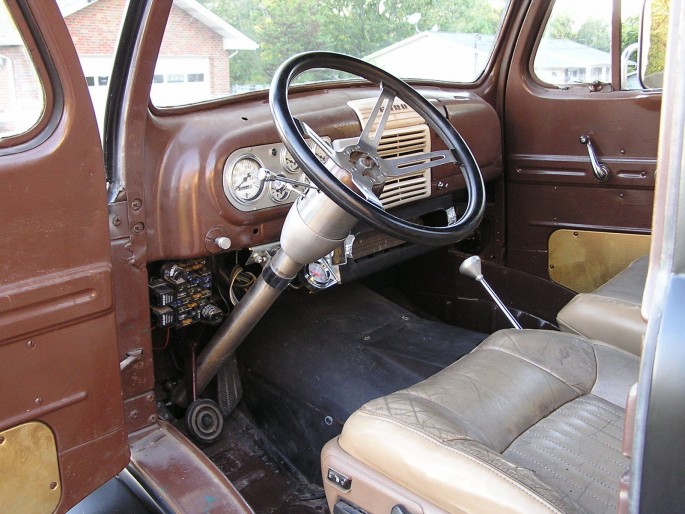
116, 221
136, 204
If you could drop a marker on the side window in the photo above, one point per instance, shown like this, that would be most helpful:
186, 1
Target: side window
22, 99
576, 45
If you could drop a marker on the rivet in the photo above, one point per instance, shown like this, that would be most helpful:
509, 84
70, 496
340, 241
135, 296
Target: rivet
328, 420
2, 439
620, 195
53, 485
405, 318
38, 401
152, 419
136, 204
551, 266
575, 234
150, 397
367, 338
133, 414
30, 344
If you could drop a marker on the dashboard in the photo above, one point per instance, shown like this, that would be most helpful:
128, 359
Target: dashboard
220, 173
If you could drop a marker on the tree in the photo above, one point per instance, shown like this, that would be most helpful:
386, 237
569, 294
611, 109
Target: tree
595, 33
562, 28
356, 27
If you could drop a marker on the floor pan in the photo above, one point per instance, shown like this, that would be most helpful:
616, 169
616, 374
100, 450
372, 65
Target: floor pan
315, 358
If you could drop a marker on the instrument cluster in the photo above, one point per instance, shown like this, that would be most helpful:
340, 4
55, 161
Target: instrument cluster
265, 176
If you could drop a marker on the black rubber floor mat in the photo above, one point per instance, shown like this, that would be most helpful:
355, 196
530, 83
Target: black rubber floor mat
342, 347
316, 358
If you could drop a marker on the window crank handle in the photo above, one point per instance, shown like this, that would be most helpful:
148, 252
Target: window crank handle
601, 170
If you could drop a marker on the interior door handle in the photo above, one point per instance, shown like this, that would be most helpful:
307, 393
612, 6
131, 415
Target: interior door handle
601, 170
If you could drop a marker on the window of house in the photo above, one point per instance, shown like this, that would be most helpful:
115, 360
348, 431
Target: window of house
576, 45
176, 77
22, 99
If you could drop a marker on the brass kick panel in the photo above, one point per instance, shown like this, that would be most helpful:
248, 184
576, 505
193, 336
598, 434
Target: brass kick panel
29, 472
583, 260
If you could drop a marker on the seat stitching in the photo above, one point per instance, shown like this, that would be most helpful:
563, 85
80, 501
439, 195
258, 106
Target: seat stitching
565, 479
603, 406
572, 453
607, 457
613, 423
545, 503
603, 429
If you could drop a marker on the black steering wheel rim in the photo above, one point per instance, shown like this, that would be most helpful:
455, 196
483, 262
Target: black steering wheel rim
356, 205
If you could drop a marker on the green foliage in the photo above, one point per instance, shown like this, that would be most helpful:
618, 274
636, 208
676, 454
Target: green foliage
562, 28
595, 33
656, 56
283, 28
630, 31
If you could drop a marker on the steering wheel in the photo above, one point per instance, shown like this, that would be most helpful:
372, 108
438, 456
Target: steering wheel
359, 157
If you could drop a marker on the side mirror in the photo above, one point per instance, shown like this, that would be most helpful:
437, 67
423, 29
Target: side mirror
653, 35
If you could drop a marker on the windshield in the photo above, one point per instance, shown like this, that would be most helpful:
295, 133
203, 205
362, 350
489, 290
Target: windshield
217, 48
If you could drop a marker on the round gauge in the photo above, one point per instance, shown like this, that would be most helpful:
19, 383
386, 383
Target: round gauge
288, 162
317, 275
244, 183
320, 154
278, 190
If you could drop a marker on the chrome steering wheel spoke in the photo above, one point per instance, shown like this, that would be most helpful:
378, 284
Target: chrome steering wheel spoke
369, 142
400, 166
318, 140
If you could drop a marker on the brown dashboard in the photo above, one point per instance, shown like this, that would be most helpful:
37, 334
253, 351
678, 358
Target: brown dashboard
195, 158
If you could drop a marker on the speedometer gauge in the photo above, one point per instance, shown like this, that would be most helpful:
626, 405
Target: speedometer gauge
243, 181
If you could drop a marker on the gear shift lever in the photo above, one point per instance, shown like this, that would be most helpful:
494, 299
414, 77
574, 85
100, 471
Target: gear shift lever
471, 268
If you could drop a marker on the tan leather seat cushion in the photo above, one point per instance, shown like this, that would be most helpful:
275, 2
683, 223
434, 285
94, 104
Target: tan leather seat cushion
530, 421
611, 313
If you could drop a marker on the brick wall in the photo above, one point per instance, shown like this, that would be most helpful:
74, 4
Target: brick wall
95, 30
187, 36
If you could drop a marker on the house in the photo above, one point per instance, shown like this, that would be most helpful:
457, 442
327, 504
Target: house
468, 55
557, 61
193, 63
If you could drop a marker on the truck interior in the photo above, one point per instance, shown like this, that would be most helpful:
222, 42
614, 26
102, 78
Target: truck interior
350, 294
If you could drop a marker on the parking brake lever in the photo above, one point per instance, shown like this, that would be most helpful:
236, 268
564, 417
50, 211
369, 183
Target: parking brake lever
471, 268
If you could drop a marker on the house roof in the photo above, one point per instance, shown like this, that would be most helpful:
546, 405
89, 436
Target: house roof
563, 53
552, 53
482, 43
233, 38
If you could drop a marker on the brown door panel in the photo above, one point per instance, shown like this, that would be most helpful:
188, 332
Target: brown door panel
550, 183
59, 362
547, 193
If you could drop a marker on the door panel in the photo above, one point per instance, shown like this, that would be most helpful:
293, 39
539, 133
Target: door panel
59, 362
549, 178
